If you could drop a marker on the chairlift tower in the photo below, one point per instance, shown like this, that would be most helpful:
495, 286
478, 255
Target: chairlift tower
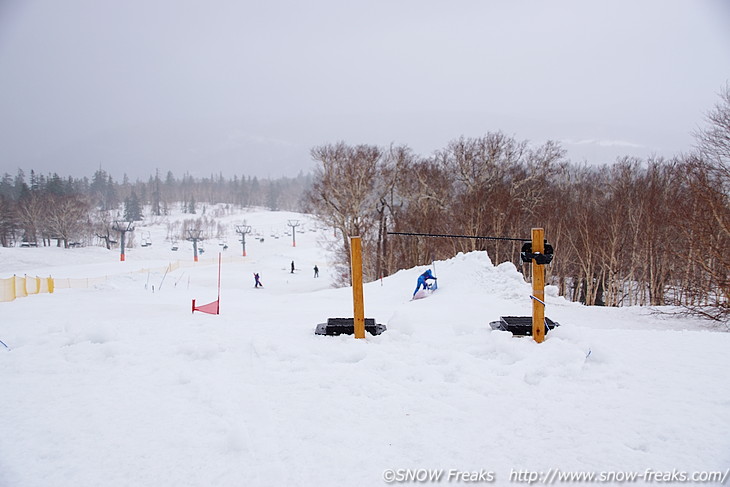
122, 227
293, 224
194, 236
243, 230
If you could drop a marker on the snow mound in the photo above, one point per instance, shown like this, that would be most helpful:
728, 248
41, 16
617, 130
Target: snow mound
120, 384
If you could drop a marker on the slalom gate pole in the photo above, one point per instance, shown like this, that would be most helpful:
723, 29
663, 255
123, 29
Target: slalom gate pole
219, 277
163, 276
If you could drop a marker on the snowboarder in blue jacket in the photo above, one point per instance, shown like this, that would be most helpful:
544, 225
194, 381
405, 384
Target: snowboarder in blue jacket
422, 280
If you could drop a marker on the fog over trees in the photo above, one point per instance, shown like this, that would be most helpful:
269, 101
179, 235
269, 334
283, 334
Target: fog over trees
39, 209
636, 232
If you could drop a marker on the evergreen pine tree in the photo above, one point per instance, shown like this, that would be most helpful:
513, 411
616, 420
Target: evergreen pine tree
156, 208
132, 208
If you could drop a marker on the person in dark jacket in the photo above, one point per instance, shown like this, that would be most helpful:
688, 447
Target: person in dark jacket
316, 271
422, 280
256, 278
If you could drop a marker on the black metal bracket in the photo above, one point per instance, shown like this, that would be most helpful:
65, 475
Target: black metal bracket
527, 255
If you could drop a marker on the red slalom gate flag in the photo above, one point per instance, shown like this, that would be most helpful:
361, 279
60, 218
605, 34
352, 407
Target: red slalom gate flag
214, 307
210, 308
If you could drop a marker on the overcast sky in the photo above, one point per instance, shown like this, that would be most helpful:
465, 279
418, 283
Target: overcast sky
249, 87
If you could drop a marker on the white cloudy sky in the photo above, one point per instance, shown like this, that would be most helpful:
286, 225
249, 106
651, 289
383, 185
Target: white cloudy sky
248, 87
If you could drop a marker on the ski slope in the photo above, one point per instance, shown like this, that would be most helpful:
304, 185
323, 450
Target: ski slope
121, 385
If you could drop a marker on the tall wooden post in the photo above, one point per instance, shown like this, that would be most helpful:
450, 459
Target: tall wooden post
357, 295
538, 287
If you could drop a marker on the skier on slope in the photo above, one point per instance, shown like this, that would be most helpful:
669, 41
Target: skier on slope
256, 277
422, 280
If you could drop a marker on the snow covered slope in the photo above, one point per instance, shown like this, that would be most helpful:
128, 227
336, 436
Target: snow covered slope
117, 385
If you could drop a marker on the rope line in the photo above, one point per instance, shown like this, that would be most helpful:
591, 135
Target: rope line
441, 235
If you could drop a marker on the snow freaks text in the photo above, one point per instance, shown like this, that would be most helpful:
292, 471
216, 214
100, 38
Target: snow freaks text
553, 476
425, 475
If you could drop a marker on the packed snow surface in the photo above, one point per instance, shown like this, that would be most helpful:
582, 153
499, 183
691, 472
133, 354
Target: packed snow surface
119, 384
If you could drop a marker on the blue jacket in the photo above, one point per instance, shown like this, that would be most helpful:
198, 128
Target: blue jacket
426, 275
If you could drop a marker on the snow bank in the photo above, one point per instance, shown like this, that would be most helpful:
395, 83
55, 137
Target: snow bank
120, 385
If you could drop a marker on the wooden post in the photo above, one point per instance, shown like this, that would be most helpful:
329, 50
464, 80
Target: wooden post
357, 298
538, 287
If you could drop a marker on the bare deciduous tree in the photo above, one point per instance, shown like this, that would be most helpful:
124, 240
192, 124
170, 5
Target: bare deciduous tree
348, 187
67, 216
31, 213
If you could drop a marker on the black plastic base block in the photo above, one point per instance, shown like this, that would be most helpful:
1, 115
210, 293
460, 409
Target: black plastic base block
346, 326
520, 325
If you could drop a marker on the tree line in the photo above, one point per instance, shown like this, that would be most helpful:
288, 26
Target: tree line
637, 232
38, 209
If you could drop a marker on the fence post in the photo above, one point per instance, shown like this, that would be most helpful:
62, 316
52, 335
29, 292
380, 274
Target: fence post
538, 287
357, 293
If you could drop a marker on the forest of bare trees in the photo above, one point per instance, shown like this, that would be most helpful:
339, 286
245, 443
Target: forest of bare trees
637, 232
